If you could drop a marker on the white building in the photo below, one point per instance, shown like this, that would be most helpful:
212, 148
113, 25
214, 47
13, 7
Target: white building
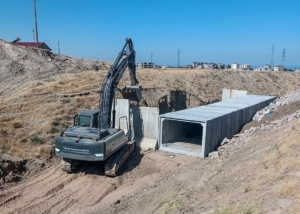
235, 66
245, 67
278, 68
145, 65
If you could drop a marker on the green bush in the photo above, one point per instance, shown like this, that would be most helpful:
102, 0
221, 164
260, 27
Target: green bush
17, 125
36, 139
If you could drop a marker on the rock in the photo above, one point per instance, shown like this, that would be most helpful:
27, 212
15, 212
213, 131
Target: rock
117, 201
214, 154
225, 141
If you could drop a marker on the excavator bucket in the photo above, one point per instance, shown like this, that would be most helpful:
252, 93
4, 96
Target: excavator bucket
133, 93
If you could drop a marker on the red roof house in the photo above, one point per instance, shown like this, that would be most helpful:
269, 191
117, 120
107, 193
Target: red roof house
42, 45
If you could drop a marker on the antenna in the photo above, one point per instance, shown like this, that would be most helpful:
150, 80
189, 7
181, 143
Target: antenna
272, 57
283, 58
178, 58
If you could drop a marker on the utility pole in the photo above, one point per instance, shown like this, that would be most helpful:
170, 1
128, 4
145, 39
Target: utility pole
178, 58
58, 48
36, 28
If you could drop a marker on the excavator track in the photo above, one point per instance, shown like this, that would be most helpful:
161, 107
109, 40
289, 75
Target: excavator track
114, 163
69, 165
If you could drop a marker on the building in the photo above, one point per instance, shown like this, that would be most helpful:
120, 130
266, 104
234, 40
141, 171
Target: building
297, 70
145, 65
221, 66
235, 66
267, 67
245, 67
278, 68
209, 65
41, 45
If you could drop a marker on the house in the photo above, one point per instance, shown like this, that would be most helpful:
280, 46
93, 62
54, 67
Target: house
41, 45
267, 67
235, 66
278, 68
209, 65
221, 66
195, 64
245, 67
145, 65
297, 70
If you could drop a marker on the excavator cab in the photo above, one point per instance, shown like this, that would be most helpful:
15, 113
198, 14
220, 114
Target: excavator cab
133, 93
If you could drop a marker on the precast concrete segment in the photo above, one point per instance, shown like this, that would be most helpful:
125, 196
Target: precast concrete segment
122, 114
229, 94
218, 120
145, 120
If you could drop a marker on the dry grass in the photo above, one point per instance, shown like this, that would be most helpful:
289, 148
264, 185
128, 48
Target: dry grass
288, 187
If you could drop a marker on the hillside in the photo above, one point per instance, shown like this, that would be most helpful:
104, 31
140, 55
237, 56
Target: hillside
20, 65
256, 172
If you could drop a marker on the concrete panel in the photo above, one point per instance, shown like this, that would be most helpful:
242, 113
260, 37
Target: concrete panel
229, 94
122, 114
145, 120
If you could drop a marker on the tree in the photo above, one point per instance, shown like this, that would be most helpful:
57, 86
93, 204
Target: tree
228, 66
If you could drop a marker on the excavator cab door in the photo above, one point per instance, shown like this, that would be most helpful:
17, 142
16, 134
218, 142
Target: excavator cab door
133, 93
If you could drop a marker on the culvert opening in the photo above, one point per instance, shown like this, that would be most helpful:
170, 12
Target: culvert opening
182, 136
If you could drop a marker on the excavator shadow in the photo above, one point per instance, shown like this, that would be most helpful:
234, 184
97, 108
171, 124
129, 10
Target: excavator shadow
98, 168
133, 161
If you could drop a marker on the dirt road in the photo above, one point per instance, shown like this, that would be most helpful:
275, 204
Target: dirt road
88, 191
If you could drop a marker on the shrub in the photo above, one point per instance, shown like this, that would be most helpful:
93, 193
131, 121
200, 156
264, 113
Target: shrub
17, 125
36, 139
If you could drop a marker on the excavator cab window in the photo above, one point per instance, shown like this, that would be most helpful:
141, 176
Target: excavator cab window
84, 121
76, 120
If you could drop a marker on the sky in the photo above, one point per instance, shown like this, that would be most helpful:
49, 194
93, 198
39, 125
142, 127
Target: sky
220, 31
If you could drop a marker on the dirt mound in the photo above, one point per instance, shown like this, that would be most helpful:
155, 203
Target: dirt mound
21, 65
14, 169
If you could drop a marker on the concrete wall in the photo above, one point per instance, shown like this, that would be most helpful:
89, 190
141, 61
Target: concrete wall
229, 94
145, 122
122, 109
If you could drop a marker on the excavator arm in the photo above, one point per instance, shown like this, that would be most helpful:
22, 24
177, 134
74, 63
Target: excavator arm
126, 58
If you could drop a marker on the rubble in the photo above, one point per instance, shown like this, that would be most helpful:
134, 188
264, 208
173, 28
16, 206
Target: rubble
228, 146
279, 102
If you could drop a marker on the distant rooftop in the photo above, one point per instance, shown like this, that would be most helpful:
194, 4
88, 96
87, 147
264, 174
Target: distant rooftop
41, 45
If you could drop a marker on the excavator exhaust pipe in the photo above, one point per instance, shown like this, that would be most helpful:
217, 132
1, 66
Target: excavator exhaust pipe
133, 93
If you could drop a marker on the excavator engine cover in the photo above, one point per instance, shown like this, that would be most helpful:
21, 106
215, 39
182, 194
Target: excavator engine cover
133, 93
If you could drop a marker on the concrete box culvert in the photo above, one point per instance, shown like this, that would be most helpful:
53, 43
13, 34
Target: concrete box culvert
199, 131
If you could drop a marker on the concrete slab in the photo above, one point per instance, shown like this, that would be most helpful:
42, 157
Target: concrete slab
230, 93
148, 144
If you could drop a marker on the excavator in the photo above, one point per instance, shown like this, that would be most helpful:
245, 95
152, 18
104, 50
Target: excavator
94, 136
